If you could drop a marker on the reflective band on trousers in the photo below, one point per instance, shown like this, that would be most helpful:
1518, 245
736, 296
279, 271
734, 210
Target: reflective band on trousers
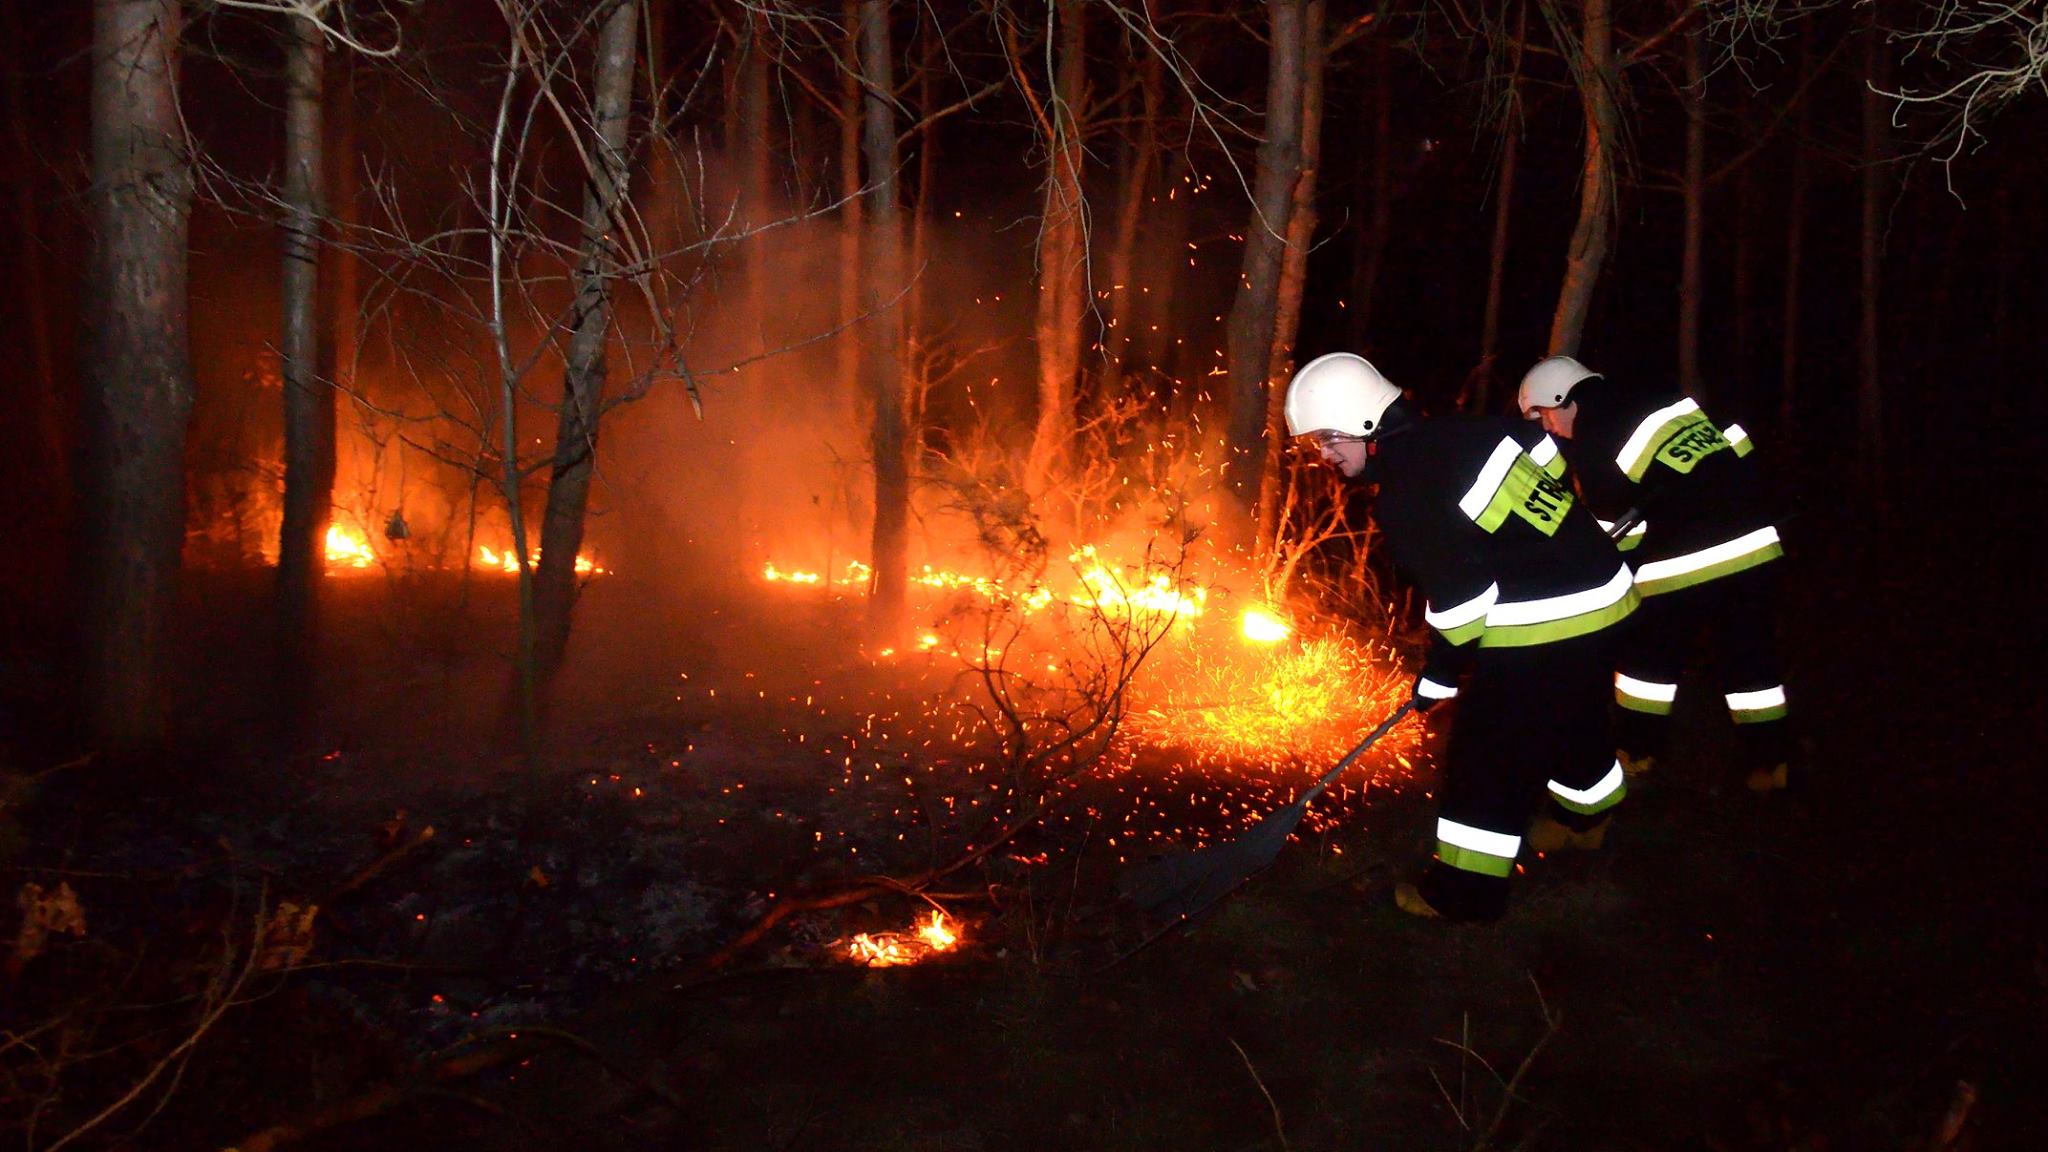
1720, 553
1495, 470
1773, 697
1477, 839
1560, 607
1591, 799
1607, 526
1639, 442
1459, 615
1431, 690
1645, 689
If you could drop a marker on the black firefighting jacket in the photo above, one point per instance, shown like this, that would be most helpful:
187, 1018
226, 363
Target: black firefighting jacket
1475, 513
1704, 513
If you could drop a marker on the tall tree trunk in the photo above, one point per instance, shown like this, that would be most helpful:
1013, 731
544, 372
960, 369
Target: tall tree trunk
853, 204
1301, 229
53, 466
1743, 287
755, 164
1139, 173
1795, 254
1479, 390
138, 375
889, 439
1062, 251
1588, 251
1695, 183
1869, 386
1370, 252
583, 379
929, 44
1255, 308
308, 396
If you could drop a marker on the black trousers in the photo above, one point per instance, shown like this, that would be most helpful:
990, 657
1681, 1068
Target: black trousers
1734, 619
1531, 727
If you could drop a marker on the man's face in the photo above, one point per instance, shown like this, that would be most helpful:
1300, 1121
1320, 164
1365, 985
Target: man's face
1558, 421
1344, 453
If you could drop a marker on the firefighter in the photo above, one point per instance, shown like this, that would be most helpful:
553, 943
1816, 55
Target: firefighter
1522, 594
1702, 551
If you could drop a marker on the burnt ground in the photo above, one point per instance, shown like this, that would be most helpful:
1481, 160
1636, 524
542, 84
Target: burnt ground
1809, 973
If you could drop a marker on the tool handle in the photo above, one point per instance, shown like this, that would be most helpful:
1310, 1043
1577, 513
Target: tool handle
1386, 726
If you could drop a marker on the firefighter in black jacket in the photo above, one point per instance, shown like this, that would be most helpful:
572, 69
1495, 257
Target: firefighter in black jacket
1522, 592
1702, 553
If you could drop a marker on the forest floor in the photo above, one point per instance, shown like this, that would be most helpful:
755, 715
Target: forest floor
1812, 972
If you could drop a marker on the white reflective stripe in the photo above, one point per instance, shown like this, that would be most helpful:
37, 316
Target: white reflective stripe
1755, 701
1561, 607
1495, 470
1639, 440
1544, 452
1607, 526
1477, 839
1707, 557
1608, 786
1431, 690
1734, 434
1459, 615
1645, 689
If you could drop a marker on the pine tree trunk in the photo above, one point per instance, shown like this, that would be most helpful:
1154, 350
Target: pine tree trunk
853, 204
1370, 251
308, 396
1795, 255
1588, 251
754, 193
1139, 174
583, 380
889, 440
1255, 308
1869, 386
1479, 392
1062, 253
53, 457
1695, 185
1301, 228
138, 375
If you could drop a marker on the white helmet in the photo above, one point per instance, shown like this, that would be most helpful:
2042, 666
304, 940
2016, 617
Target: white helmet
1339, 392
1549, 383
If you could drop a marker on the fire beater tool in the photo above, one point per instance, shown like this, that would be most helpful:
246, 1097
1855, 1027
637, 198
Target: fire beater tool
1180, 887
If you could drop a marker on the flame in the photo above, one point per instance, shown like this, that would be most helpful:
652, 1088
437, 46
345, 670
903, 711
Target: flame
1262, 627
508, 561
347, 549
891, 949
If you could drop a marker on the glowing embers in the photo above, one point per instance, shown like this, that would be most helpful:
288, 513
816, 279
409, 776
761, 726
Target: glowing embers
1262, 627
1116, 591
508, 561
893, 949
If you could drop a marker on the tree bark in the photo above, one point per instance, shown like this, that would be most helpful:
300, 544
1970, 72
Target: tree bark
1795, 255
1479, 393
889, 439
308, 396
1255, 309
53, 440
853, 204
1370, 252
1588, 251
1695, 186
138, 375
1062, 251
1869, 385
1301, 228
1124, 314
755, 164
583, 380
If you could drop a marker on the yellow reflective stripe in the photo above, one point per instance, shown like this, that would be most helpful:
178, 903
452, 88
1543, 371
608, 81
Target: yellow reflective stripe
1497, 844
1635, 455
1510, 613
1745, 551
1495, 470
1550, 631
1599, 798
1645, 689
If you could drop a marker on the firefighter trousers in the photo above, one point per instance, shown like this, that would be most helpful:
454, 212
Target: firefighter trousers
1531, 728
1736, 618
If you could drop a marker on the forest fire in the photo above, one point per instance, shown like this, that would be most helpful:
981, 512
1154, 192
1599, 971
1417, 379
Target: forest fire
347, 549
895, 949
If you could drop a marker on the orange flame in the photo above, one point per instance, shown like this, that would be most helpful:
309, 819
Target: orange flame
892, 949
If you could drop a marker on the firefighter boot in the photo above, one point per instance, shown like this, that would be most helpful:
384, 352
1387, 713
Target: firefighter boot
1636, 767
1548, 834
1446, 893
